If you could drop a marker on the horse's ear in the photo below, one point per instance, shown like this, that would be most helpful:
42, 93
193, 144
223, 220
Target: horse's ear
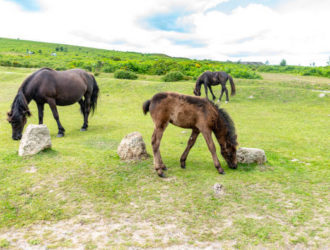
27, 112
9, 114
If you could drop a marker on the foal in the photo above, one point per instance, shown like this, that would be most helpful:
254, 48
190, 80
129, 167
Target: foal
198, 114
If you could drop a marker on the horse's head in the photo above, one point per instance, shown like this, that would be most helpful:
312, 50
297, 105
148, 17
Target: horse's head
17, 116
228, 151
197, 90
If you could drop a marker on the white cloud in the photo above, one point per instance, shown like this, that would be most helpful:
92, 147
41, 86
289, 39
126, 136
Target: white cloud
295, 30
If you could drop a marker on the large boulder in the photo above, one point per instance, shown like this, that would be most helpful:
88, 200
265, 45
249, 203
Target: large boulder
251, 155
35, 139
132, 147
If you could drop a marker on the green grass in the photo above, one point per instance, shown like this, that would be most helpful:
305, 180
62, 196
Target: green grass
281, 204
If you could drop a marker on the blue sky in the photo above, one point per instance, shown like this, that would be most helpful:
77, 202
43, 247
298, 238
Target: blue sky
260, 30
229, 6
29, 5
167, 21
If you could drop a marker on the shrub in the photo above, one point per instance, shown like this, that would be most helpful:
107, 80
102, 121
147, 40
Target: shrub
124, 74
109, 68
173, 76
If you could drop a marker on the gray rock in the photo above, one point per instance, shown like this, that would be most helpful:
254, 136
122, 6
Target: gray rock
251, 155
35, 139
132, 148
218, 189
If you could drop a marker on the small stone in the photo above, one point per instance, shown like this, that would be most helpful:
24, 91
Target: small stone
132, 147
218, 189
31, 170
251, 155
251, 97
321, 95
35, 139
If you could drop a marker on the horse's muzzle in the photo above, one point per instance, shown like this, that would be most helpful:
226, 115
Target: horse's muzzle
17, 137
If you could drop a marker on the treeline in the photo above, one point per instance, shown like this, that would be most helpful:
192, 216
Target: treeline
301, 70
28, 54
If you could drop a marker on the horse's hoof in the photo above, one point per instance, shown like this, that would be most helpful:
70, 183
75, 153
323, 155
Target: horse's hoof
183, 165
164, 168
83, 129
60, 135
162, 175
222, 172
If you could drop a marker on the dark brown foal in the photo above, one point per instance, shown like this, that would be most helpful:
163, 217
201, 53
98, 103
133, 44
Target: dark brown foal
198, 114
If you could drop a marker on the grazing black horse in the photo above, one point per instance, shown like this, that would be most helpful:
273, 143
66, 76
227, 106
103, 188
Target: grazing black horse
209, 79
55, 88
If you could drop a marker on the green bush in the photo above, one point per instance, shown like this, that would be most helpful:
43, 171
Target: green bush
124, 74
173, 76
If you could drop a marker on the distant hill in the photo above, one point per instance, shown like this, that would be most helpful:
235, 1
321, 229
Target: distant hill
30, 54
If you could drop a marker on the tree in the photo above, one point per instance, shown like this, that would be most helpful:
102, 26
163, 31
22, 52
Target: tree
267, 62
328, 62
283, 62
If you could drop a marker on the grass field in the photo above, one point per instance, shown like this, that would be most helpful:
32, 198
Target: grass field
80, 195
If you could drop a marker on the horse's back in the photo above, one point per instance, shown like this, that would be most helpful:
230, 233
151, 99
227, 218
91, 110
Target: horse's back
66, 87
181, 110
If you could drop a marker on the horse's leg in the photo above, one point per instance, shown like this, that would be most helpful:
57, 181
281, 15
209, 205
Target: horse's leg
155, 142
191, 142
205, 87
52, 105
82, 106
222, 91
41, 112
208, 138
213, 96
226, 90
87, 109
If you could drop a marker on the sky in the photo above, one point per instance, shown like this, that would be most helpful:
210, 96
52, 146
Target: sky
235, 30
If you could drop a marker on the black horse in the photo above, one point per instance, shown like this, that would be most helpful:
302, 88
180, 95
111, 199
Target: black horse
209, 79
55, 88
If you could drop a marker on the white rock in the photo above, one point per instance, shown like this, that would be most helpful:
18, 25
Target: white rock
251, 97
251, 155
132, 147
321, 95
35, 139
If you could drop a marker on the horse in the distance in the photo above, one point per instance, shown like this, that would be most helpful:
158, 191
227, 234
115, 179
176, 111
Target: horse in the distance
209, 79
198, 114
55, 88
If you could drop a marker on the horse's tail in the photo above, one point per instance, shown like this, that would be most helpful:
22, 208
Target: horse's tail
145, 106
95, 94
232, 85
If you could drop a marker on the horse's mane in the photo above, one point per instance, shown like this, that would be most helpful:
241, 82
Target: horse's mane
226, 119
20, 106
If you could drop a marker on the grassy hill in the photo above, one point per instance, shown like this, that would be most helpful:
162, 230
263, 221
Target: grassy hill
80, 195
28, 54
